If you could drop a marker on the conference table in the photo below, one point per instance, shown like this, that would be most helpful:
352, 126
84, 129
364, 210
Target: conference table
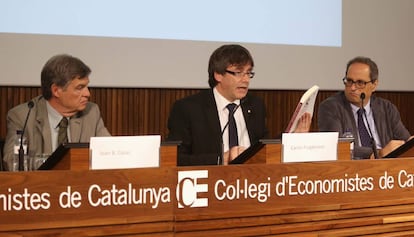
325, 198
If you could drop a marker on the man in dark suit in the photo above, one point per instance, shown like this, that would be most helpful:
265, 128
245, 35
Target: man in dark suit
201, 121
65, 95
340, 112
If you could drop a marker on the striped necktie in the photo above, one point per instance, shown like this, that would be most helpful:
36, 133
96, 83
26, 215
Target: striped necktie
63, 131
362, 129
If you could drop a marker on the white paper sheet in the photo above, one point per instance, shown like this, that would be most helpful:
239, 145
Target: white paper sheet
125, 152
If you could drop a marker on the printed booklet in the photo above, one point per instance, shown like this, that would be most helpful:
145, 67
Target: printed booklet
305, 105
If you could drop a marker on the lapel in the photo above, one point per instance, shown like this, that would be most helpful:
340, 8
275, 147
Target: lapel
348, 108
42, 126
247, 109
378, 117
211, 114
75, 128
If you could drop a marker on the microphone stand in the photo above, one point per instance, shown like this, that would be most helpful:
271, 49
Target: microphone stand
21, 148
21, 153
373, 143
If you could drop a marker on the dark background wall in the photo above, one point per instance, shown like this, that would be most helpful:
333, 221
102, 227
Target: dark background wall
144, 111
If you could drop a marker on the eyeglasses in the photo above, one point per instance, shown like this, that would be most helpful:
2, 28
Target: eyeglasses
358, 84
241, 74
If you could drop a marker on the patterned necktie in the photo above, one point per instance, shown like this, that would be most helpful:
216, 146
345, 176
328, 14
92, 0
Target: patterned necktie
63, 131
363, 132
233, 140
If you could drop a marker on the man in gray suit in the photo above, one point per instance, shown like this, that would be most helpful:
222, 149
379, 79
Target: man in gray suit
340, 112
65, 96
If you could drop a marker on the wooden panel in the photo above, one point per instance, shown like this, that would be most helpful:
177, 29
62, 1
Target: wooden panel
119, 201
74, 159
168, 155
161, 229
234, 207
144, 111
338, 213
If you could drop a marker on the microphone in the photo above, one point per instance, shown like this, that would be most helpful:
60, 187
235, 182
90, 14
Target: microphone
21, 149
220, 159
373, 143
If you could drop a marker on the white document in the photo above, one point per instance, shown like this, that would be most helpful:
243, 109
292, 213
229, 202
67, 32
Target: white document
302, 147
121, 152
305, 105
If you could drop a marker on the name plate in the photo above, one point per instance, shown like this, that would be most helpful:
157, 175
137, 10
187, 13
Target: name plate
121, 152
303, 147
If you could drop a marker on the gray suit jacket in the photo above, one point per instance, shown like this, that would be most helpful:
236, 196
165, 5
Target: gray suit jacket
335, 115
83, 126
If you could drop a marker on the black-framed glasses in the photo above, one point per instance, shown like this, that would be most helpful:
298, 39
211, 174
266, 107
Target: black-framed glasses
241, 74
358, 84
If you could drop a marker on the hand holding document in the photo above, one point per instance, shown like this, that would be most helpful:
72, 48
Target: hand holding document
304, 123
305, 105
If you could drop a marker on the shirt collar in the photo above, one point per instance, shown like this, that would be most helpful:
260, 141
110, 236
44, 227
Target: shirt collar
54, 116
222, 102
367, 108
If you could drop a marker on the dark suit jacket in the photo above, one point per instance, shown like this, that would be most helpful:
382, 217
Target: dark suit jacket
335, 115
195, 122
83, 126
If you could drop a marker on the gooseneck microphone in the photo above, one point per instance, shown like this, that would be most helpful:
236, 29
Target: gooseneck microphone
220, 159
21, 148
373, 143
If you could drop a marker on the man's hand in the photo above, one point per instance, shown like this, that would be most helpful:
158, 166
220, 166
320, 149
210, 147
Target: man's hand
304, 123
232, 153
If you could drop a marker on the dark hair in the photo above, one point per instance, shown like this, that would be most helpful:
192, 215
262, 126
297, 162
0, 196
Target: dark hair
60, 70
225, 56
373, 69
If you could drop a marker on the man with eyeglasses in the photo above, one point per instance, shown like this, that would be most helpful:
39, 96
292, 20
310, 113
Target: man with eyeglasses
358, 111
204, 122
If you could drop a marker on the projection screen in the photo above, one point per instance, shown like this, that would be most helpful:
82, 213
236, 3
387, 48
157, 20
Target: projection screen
166, 44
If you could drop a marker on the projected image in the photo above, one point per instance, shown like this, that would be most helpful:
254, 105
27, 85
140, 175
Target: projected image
292, 22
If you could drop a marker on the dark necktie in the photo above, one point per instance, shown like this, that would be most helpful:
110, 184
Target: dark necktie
362, 129
233, 140
63, 131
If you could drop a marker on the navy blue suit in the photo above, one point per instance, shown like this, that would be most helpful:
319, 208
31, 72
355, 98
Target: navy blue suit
195, 122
